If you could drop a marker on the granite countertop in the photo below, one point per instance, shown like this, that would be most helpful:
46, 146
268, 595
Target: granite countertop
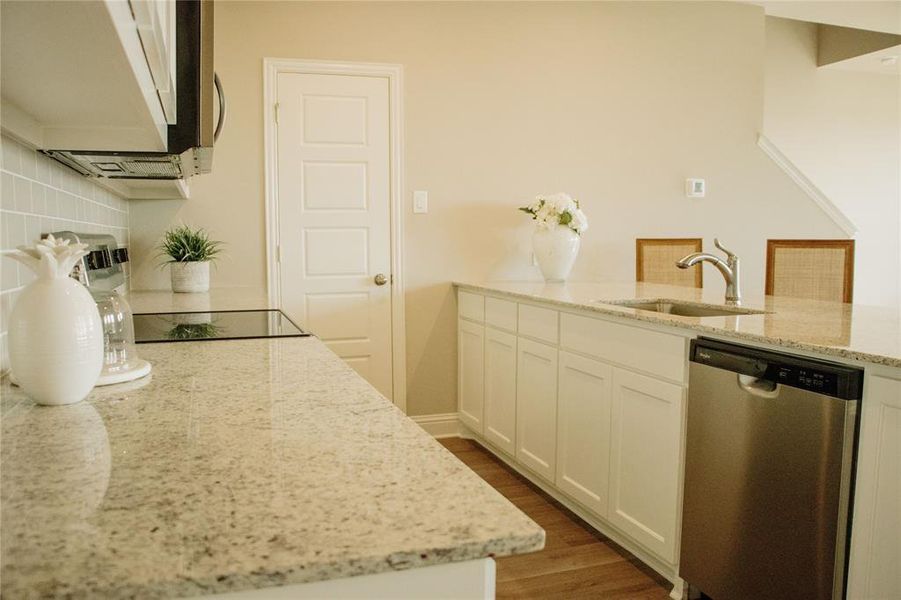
851, 331
234, 465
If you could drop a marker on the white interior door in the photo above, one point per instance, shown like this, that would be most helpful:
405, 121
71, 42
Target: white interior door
334, 215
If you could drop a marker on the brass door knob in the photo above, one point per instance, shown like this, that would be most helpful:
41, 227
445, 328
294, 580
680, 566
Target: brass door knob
380, 279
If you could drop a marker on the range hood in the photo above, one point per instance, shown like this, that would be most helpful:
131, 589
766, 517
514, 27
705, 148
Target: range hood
191, 138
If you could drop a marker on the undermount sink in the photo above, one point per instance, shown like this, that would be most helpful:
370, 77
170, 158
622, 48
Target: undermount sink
686, 309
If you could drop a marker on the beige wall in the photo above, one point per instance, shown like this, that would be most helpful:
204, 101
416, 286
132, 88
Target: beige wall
615, 103
842, 130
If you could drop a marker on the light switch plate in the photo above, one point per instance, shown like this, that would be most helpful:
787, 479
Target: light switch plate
420, 201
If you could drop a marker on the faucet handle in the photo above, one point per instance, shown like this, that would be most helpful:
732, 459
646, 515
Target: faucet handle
729, 254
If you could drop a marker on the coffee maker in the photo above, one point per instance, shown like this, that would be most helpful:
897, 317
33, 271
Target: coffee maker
102, 272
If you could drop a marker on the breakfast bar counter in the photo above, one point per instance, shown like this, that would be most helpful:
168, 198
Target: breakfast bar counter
850, 331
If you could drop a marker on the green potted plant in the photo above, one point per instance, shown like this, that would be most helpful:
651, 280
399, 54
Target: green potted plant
189, 253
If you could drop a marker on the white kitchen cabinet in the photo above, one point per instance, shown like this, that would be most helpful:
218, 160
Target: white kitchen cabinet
89, 75
875, 562
500, 313
155, 22
471, 306
536, 407
634, 347
539, 323
471, 373
645, 460
583, 430
500, 389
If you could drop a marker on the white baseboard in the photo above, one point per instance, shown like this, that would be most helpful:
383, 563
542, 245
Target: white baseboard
440, 425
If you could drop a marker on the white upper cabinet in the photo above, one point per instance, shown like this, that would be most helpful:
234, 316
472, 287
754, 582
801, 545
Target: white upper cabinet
155, 20
93, 75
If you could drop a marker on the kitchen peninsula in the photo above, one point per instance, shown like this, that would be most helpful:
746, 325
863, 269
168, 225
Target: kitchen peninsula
585, 388
235, 466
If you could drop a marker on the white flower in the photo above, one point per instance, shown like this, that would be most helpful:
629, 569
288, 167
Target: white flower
562, 202
545, 215
556, 210
579, 222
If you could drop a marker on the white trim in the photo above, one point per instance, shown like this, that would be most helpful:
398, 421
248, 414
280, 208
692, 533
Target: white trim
809, 188
443, 425
394, 73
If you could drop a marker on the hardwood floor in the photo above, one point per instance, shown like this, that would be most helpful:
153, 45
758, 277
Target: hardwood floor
577, 561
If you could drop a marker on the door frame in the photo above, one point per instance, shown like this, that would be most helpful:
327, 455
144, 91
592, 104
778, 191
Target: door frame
272, 67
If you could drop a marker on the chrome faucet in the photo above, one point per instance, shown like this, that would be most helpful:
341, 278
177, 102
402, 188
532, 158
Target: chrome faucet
728, 267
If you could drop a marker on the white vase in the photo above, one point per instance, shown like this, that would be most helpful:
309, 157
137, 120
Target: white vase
190, 277
556, 250
55, 333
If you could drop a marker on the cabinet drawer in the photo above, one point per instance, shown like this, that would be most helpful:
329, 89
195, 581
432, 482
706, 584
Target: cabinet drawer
471, 306
650, 351
500, 313
539, 323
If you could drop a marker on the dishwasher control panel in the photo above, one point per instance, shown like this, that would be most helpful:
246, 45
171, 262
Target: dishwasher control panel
820, 376
806, 379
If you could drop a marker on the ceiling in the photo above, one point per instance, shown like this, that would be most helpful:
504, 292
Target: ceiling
875, 15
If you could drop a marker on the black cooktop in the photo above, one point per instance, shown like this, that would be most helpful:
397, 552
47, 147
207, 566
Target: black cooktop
214, 325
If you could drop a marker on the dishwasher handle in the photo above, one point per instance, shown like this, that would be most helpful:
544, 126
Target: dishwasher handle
757, 386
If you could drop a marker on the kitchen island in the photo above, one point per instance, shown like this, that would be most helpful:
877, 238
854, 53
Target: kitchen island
235, 466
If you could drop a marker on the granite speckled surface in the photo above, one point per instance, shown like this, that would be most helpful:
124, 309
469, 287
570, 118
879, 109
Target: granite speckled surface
234, 465
857, 332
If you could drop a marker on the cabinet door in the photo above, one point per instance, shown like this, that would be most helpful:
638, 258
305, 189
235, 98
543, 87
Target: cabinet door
875, 568
536, 406
500, 389
471, 373
583, 430
155, 21
645, 460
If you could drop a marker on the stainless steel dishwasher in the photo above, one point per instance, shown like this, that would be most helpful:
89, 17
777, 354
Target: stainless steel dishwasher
768, 473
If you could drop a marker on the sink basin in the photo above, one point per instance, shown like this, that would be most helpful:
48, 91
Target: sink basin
686, 309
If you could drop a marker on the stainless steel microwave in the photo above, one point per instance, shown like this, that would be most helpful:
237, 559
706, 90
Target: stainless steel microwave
190, 140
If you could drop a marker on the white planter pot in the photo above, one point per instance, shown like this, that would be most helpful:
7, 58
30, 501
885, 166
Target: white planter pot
55, 341
556, 251
190, 276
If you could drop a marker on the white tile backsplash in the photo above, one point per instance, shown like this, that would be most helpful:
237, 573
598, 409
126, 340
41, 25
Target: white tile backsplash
37, 196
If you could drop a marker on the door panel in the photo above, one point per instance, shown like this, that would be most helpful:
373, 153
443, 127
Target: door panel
644, 460
471, 373
334, 215
536, 406
500, 389
875, 570
583, 430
